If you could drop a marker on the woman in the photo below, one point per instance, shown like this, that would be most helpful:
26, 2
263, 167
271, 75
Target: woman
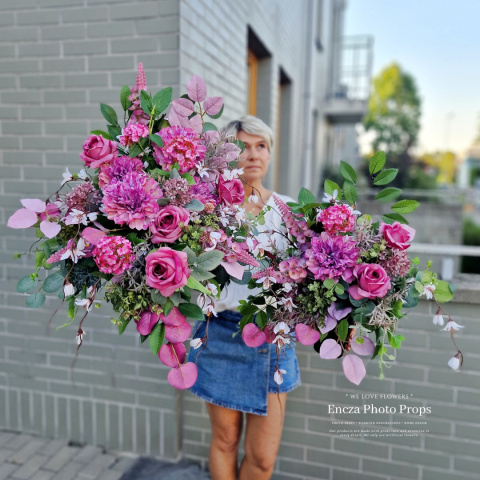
234, 378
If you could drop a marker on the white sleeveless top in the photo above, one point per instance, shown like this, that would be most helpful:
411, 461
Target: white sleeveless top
233, 292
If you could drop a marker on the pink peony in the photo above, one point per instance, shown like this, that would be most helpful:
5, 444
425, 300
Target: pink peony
167, 226
332, 257
117, 169
337, 219
372, 282
113, 255
97, 151
132, 133
397, 235
231, 192
167, 270
132, 201
180, 145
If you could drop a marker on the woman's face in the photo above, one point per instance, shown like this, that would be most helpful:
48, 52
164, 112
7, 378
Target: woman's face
255, 158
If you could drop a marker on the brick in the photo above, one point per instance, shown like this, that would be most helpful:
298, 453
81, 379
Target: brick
95, 467
467, 465
62, 31
7, 82
307, 469
19, 66
66, 97
64, 65
158, 25
160, 60
30, 467
52, 447
38, 17
60, 3
9, 113
19, 128
85, 15
6, 469
58, 128
69, 472
87, 47
61, 458
50, 49
18, 34
107, 30
42, 143
420, 458
86, 80
339, 474
460, 446
7, 51
147, 10
428, 474
386, 467
42, 475
16, 5
110, 63
41, 81
135, 45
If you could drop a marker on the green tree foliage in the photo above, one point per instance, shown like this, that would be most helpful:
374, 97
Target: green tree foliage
394, 110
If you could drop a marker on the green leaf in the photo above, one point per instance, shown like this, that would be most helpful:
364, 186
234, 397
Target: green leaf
124, 94
442, 291
156, 336
53, 283
209, 260
342, 329
329, 283
162, 100
196, 285
135, 150
218, 115
388, 194
191, 257
123, 325
305, 197
26, 283
419, 286
386, 176
187, 176
158, 298
167, 308
347, 171
330, 187
109, 114
35, 300
195, 205
339, 289
394, 217
207, 126
156, 139
350, 192
190, 310
114, 132
176, 298
262, 319
39, 258
146, 102
200, 274
405, 206
377, 162
105, 135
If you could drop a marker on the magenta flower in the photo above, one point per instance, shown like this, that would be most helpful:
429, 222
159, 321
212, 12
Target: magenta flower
117, 169
180, 145
97, 151
132, 133
113, 255
372, 282
168, 224
132, 201
337, 219
332, 257
397, 235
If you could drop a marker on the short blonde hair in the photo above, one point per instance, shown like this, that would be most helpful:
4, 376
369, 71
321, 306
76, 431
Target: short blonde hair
253, 126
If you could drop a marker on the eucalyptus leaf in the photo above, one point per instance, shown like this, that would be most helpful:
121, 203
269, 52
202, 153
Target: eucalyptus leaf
26, 283
53, 283
194, 205
35, 300
200, 274
158, 298
209, 260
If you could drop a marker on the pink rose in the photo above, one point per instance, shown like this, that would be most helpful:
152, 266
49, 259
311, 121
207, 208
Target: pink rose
397, 235
230, 192
167, 224
97, 151
372, 282
167, 270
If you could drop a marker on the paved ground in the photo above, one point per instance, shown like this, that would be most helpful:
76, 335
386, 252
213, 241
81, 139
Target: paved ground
26, 457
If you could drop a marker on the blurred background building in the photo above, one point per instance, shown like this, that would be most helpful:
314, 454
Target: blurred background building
288, 62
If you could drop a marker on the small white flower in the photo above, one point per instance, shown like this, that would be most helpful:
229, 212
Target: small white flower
253, 198
438, 319
145, 164
451, 325
214, 238
454, 363
330, 198
267, 281
278, 376
74, 251
79, 336
428, 291
68, 289
288, 304
196, 343
212, 288
280, 340
287, 287
281, 327
67, 176
82, 174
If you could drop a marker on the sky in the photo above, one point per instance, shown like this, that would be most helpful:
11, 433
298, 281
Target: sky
438, 43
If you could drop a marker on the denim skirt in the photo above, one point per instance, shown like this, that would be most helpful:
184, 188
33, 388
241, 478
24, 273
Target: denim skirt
235, 376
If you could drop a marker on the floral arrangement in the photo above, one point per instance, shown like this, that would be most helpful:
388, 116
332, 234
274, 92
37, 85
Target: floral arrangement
150, 219
342, 278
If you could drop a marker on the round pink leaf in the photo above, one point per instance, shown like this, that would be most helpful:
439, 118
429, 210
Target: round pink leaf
175, 119
183, 376
49, 229
212, 105
147, 321
177, 333
353, 368
365, 347
330, 349
183, 107
174, 318
172, 354
306, 335
195, 123
92, 235
22, 218
34, 204
253, 336
196, 89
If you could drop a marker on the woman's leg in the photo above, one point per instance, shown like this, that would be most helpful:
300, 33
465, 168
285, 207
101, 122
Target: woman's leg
226, 433
262, 439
